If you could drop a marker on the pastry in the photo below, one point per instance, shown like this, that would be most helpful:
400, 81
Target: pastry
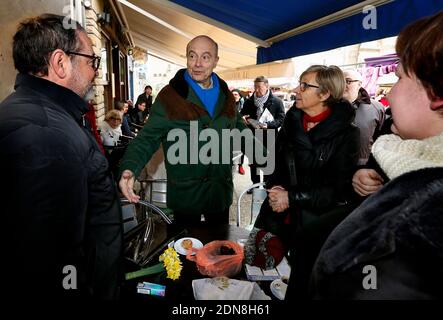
187, 244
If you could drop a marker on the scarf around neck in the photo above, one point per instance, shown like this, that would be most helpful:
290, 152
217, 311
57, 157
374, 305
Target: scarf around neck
260, 102
397, 156
315, 119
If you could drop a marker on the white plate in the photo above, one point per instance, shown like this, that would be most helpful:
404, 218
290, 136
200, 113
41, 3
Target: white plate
278, 289
197, 244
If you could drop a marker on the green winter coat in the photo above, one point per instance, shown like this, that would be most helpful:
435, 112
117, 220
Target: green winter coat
192, 187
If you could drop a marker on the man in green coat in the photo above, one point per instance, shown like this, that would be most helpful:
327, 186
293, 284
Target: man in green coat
190, 118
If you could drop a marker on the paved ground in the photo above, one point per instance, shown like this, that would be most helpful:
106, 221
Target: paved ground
241, 182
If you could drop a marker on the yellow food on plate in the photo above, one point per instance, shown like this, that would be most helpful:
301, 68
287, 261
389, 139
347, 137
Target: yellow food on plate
187, 244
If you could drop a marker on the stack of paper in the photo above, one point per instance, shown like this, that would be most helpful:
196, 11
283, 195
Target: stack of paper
258, 274
266, 116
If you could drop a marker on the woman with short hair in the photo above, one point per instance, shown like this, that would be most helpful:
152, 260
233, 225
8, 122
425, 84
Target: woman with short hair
310, 190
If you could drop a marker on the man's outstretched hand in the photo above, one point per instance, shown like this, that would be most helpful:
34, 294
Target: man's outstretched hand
126, 184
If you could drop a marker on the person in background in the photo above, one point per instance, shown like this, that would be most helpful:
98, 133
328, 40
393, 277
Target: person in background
384, 101
123, 108
110, 128
145, 97
130, 106
137, 116
369, 116
239, 101
195, 95
262, 101
381, 97
391, 246
64, 234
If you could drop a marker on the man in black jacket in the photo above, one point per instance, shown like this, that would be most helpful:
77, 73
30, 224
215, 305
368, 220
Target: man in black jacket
60, 207
262, 111
145, 97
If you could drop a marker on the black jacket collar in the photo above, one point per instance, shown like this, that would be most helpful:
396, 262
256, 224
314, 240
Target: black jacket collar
63, 97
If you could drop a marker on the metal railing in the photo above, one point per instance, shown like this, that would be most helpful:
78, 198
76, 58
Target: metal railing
150, 206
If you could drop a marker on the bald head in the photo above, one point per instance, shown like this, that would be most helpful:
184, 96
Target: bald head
204, 38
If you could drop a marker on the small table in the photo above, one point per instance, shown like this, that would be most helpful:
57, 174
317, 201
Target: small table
181, 289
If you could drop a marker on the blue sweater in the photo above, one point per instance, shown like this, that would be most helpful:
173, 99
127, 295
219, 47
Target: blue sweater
207, 96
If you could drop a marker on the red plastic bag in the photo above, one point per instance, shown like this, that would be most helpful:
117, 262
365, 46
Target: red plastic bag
212, 262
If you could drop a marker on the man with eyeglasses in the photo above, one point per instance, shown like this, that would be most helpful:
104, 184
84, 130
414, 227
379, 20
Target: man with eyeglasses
369, 114
60, 204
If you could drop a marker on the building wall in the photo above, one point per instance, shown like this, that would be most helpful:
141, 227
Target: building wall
158, 72
93, 29
11, 14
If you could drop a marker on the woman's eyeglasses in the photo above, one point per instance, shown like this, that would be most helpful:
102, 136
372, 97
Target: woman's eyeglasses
118, 119
304, 85
94, 59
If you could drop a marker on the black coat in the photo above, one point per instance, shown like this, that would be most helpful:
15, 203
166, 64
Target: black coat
399, 231
316, 167
323, 159
273, 104
148, 102
138, 117
59, 202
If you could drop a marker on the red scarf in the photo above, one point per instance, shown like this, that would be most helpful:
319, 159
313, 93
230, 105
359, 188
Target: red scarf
315, 119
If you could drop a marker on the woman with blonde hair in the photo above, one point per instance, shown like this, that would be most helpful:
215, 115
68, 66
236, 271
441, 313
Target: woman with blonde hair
391, 247
110, 128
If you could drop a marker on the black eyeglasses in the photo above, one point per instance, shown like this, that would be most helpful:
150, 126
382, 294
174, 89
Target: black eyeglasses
349, 81
94, 59
304, 85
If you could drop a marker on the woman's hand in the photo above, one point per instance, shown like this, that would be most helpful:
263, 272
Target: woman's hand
278, 199
366, 181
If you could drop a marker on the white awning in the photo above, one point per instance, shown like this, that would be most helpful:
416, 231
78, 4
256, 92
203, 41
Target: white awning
162, 29
277, 69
